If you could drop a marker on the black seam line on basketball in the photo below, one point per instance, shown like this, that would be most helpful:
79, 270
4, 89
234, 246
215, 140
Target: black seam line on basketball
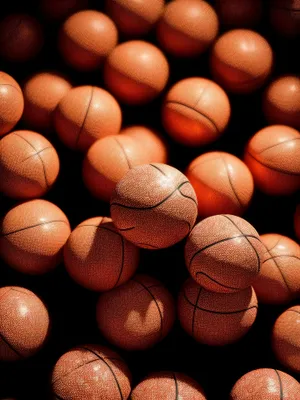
193, 109
109, 367
8, 84
58, 397
280, 384
150, 207
85, 118
124, 153
156, 303
176, 386
231, 184
3, 338
281, 273
277, 243
122, 260
297, 312
74, 369
126, 229
149, 245
19, 291
33, 226
158, 169
36, 154
149, 287
282, 171
189, 197
99, 227
278, 144
246, 236
217, 312
219, 283
281, 255
194, 311
218, 242
43, 165
204, 162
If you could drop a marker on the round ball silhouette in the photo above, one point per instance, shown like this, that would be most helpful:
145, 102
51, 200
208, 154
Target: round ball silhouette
165, 385
42, 93
29, 165
241, 60
61, 9
135, 18
24, 323
286, 338
216, 319
239, 13
297, 221
195, 111
223, 253
136, 315
265, 383
21, 37
284, 17
97, 257
279, 280
273, 157
154, 206
33, 235
187, 27
91, 372
136, 72
12, 103
281, 102
85, 114
222, 182
86, 39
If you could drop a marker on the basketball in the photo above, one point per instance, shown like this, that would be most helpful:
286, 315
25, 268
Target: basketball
284, 17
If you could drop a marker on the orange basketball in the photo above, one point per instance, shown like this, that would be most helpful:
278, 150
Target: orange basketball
165, 385
273, 157
12, 103
264, 384
223, 253
154, 206
195, 111
85, 114
286, 338
24, 323
42, 93
33, 235
97, 257
135, 18
239, 13
279, 279
222, 182
297, 221
136, 315
216, 319
86, 39
104, 373
29, 165
241, 60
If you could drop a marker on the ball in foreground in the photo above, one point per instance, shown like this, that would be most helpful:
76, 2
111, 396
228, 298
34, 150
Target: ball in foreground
154, 206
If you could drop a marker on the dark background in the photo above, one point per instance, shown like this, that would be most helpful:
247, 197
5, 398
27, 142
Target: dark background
72, 308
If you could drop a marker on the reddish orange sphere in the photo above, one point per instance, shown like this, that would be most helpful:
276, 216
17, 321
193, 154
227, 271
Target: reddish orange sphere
223, 253
29, 165
85, 114
12, 103
135, 18
32, 236
216, 319
136, 72
279, 280
284, 17
21, 37
91, 372
24, 323
266, 384
187, 27
97, 257
241, 60
286, 338
60, 9
222, 182
42, 93
86, 39
281, 102
136, 315
273, 157
196, 111
239, 13
297, 221
165, 385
